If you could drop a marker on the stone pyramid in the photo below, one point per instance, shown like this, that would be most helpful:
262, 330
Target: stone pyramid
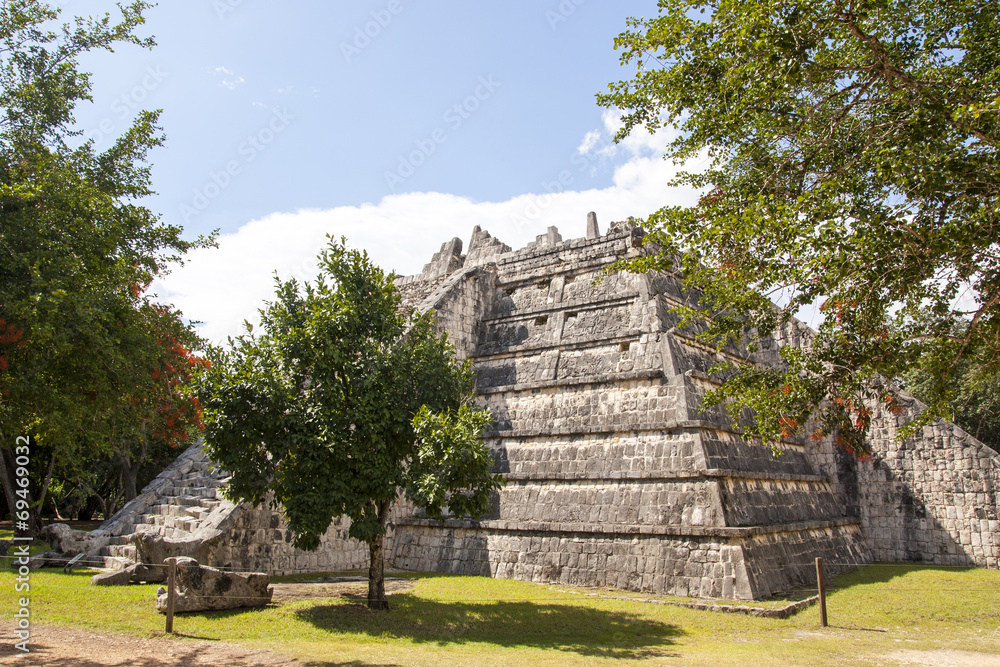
615, 477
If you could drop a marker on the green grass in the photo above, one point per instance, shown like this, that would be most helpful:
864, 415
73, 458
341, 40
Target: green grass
37, 546
449, 620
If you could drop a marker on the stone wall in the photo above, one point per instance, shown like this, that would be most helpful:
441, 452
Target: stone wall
705, 566
614, 476
259, 540
727, 563
932, 498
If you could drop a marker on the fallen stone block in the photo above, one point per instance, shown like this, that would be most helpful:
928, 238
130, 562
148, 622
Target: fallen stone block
202, 588
133, 574
65, 540
153, 548
114, 578
149, 574
44, 559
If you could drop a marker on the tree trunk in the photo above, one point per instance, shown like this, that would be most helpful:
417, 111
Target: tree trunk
376, 575
130, 470
36, 509
7, 478
376, 563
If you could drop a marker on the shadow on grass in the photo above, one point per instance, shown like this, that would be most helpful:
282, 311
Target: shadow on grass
589, 632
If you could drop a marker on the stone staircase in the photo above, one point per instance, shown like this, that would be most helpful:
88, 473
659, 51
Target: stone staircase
182, 501
614, 475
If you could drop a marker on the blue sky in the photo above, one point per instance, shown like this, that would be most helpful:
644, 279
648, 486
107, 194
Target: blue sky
398, 124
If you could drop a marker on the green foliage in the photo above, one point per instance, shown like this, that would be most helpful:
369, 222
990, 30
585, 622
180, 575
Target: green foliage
76, 250
451, 463
853, 165
976, 403
318, 408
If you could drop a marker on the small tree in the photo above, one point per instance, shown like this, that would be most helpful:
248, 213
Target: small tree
319, 410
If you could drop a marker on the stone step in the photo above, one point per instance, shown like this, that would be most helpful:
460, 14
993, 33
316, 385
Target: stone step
123, 551
195, 491
181, 500
181, 511
115, 562
188, 491
175, 523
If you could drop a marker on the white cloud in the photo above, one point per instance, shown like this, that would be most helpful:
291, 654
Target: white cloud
640, 141
229, 80
590, 140
223, 286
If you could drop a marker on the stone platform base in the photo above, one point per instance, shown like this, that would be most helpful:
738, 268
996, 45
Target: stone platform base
720, 562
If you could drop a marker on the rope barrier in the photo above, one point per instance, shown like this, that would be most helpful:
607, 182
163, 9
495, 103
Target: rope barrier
798, 591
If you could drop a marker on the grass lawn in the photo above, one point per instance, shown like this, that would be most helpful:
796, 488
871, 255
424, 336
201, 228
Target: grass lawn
874, 612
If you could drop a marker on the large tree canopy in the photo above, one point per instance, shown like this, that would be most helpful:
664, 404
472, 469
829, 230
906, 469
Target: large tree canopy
76, 246
340, 404
854, 166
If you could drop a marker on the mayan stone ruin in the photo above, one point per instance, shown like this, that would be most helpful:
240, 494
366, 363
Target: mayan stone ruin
614, 475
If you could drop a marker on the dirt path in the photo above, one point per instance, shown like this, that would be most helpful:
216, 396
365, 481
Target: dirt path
56, 646
945, 658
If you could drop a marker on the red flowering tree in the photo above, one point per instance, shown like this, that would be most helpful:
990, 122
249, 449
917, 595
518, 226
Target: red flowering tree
156, 412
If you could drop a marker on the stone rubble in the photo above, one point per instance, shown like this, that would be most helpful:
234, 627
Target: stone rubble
202, 588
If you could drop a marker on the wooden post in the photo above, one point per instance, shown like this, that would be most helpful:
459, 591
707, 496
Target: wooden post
171, 583
822, 592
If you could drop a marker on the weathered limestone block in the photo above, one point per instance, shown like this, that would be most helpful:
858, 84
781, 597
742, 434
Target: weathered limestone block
592, 230
153, 548
484, 248
44, 559
113, 578
201, 588
133, 574
446, 261
65, 540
